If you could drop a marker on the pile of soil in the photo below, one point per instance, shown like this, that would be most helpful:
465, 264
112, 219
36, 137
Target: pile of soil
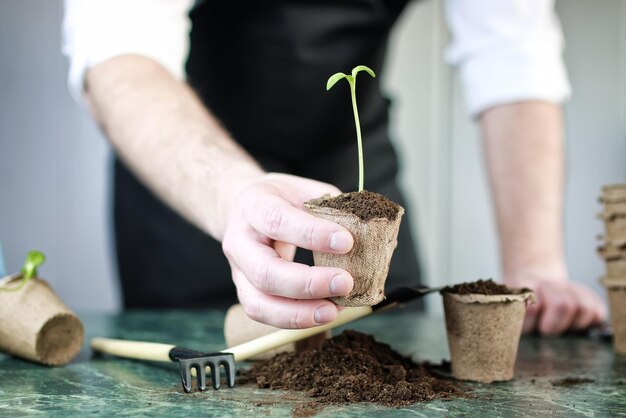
480, 287
366, 205
571, 381
352, 367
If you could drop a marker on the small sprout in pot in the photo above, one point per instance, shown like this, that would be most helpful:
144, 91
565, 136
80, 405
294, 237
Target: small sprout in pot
34, 259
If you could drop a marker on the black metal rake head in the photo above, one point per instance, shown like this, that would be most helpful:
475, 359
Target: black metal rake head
191, 360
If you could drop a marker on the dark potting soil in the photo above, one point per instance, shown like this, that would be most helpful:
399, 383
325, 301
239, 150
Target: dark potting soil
571, 381
352, 367
480, 287
366, 205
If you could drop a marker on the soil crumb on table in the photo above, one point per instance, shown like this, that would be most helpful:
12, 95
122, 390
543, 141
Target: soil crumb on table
572, 381
352, 367
480, 287
366, 205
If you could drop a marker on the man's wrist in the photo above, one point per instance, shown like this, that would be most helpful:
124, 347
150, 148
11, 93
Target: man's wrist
227, 193
550, 270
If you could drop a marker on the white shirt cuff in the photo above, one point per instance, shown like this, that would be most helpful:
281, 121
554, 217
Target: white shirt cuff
507, 51
513, 76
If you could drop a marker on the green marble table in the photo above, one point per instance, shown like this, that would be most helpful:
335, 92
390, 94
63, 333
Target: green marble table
116, 387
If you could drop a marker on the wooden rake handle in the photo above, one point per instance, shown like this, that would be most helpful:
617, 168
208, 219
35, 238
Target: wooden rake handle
277, 339
133, 349
161, 352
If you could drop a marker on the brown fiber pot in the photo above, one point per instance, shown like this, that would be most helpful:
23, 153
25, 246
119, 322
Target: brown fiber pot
614, 209
616, 290
614, 224
614, 193
36, 325
615, 257
368, 261
616, 267
484, 333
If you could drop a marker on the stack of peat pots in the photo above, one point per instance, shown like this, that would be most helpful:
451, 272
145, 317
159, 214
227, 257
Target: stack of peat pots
613, 251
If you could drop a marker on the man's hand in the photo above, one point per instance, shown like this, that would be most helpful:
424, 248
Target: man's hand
561, 303
524, 152
178, 149
265, 224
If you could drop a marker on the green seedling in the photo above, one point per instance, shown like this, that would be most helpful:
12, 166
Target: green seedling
34, 259
352, 81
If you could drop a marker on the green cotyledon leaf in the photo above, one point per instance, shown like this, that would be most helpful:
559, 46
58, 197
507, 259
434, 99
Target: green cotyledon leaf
34, 259
332, 80
360, 68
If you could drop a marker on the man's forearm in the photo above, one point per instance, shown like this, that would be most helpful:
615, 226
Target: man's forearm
162, 131
524, 151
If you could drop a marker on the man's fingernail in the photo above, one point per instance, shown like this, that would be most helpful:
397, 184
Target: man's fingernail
340, 285
324, 314
341, 241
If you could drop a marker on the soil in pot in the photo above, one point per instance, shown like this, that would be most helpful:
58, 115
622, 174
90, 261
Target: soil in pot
352, 367
374, 222
484, 324
366, 205
480, 287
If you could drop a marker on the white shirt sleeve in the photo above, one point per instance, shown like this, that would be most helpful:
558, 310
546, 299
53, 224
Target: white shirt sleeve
96, 30
507, 51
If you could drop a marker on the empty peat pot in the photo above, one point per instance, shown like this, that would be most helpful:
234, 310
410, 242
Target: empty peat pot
614, 193
616, 289
614, 224
614, 211
614, 254
36, 325
484, 333
375, 240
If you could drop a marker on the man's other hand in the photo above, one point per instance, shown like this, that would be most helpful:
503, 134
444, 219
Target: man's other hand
562, 305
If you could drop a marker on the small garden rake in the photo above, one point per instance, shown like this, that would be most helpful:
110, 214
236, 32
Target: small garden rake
196, 363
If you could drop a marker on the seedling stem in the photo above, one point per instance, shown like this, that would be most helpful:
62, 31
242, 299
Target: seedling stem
352, 81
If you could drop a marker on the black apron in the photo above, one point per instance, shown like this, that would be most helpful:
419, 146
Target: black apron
261, 68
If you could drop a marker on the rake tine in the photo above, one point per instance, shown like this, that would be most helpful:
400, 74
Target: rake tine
201, 372
185, 374
229, 369
215, 375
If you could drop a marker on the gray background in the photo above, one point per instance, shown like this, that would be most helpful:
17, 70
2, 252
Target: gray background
54, 164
